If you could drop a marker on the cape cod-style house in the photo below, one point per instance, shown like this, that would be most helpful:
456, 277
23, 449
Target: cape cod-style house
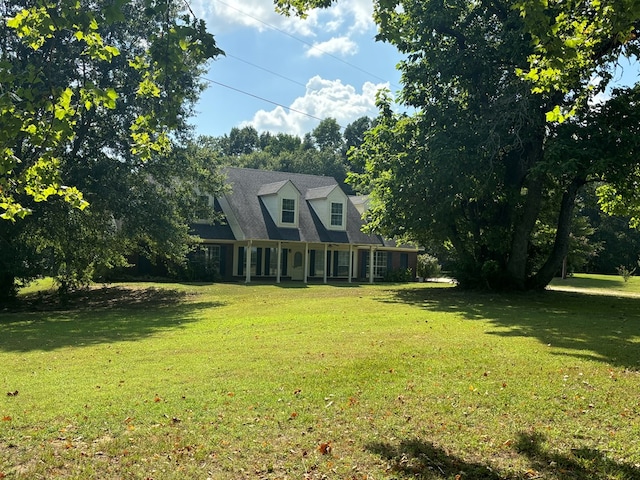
286, 226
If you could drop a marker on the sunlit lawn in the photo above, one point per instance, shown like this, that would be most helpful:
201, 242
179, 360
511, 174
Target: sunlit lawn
340, 382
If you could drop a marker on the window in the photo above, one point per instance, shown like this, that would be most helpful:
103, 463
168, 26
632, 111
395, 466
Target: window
342, 269
207, 259
336, 214
271, 261
254, 261
318, 263
288, 210
379, 264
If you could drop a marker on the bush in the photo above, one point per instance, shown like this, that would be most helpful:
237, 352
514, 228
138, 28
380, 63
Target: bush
399, 275
428, 266
625, 272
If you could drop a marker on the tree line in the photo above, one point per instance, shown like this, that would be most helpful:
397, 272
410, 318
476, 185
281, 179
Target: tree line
323, 151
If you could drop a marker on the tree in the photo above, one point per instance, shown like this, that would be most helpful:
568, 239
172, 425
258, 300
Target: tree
95, 94
327, 135
243, 140
573, 40
354, 135
479, 167
41, 112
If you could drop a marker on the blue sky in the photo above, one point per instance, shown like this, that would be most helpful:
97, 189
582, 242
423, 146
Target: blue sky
328, 65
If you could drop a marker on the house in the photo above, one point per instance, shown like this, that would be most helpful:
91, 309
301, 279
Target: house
297, 227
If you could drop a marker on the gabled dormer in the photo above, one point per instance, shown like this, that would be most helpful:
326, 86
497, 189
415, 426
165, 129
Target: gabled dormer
330, 204
282, 200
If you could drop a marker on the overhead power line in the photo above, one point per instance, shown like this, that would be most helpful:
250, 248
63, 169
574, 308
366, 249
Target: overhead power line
265, 70
273, 27
265, 100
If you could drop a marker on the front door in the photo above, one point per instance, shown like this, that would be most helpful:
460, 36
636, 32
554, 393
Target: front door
297, 265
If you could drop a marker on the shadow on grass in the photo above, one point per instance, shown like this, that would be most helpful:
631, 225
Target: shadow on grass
595, 327
420, 459
106, 315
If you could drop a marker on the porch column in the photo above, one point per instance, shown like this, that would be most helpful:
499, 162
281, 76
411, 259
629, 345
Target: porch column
306, 261
350, 262
279, 268
326, 252
247, 273
371, 264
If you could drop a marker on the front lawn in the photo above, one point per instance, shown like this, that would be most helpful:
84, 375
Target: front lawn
338, 382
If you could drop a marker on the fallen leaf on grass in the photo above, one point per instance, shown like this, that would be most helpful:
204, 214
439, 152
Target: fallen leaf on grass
6, 418
325, 448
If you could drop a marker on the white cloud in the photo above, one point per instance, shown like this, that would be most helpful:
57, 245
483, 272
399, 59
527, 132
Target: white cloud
322, 99
360, 11
355, 16
337, 45
229, 15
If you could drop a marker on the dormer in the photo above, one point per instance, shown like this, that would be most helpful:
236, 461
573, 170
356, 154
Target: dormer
282, 200
361, 202
330, 204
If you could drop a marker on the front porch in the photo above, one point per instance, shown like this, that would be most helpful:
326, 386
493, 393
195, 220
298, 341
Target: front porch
305, 262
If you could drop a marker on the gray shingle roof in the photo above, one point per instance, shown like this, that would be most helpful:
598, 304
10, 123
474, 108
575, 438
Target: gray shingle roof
255, 221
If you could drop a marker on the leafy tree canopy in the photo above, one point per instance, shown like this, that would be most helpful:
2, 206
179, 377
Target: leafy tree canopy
50, 54
572, 40
93, 98
478, 169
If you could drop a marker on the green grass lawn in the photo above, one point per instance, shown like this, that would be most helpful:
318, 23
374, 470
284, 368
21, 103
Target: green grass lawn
324, 382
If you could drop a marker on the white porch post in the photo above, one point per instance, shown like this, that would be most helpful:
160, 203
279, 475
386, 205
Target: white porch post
371, 264
279, 268
247, 277
325, 262
350, 262
306, 261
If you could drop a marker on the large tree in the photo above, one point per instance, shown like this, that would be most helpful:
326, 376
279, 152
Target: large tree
94, 95
480, 167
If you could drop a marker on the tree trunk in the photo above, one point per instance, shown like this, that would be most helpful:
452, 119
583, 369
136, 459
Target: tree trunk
561, 244
7, 287
519, 253
525, 222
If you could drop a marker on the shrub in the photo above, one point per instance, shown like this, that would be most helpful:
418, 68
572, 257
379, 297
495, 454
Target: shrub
428, 266
625, 272
399, 275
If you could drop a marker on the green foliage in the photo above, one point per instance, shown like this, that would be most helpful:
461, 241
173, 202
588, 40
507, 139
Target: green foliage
46, 106
94, 96
428, 266
478, 168
399, 275
576, 41
321, 152
625, 272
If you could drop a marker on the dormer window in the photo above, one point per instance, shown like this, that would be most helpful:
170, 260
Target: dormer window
288, 210
336, 214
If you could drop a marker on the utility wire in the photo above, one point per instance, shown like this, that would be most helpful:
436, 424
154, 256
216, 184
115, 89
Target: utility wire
306, 43
265, 100
265, 69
